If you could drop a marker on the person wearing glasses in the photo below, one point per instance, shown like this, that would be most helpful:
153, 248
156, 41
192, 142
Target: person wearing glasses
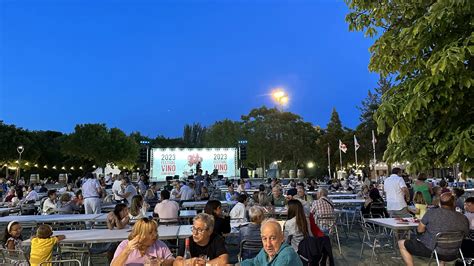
141, 245
204, 244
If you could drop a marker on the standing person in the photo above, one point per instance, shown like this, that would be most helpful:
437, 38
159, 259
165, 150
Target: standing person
42, 244
424, 187
108, 180
397, 194
91, 190
117, 188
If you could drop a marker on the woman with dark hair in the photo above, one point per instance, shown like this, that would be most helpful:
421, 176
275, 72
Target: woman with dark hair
12, 236
374, 205
221, 222
118, 218
424, 187
296, 228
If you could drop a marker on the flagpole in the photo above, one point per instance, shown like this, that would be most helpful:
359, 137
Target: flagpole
355, 151
340, 157
329, 162
375, 160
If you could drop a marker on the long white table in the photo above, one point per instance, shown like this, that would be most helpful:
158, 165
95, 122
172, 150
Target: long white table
348, 201
106, 235
394, 223
51, 218
342, 196
200, 204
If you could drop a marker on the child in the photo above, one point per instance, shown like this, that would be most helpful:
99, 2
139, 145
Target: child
420, 205
436, 194
12, 238
42, 245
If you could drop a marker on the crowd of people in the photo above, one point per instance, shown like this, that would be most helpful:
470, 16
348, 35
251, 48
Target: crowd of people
280, 241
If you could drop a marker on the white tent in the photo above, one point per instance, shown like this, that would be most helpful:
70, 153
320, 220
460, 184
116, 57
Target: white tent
108, 169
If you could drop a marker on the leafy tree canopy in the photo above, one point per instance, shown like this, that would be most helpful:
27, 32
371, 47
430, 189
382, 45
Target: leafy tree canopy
428, 47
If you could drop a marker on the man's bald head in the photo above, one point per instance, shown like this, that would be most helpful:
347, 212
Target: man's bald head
273, 224
272, 237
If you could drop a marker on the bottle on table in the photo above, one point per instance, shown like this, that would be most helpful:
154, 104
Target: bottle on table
187, 253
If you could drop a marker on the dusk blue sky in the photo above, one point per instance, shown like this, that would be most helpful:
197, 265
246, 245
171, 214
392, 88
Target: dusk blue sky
153, 66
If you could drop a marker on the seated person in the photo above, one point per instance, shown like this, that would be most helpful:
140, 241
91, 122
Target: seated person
274, 251
49, 205
204, 243
323, 207
138, 208
221, 221
238, 214
374, 205
32, 195
277, 198
118, 218
437, 220
141, 244
231, 195
251, 231
468, 243
167, 210
66, 205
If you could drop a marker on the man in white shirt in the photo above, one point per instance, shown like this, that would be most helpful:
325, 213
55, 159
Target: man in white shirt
108, 180
187, 191
167, 210
32, 194
397, 194
238, 212
91, 190
117, 188
176, 191
128, 190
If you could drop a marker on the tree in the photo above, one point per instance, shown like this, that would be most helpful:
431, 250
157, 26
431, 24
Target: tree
225, 133
367, 123
96, 143
331, 136
193, 135
427, 46
273, 135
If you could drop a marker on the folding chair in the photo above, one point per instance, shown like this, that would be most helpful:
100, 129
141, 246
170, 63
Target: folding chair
253, 246
329, 221
448, 241
374, 240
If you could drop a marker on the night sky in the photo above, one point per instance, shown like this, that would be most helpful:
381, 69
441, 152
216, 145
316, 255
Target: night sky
153, 66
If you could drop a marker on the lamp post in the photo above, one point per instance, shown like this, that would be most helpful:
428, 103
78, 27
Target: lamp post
280, 97
20, 150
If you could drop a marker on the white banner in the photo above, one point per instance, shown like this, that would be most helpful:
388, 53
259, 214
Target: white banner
182, 162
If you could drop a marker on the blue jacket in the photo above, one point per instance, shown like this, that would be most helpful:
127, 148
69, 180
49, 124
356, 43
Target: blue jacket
286, 256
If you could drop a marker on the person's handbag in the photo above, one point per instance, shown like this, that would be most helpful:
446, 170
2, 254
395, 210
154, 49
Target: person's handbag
314, 227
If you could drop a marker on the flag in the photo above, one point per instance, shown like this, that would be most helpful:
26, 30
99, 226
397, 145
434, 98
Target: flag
342, 146
329, 151
374, 140
356, 144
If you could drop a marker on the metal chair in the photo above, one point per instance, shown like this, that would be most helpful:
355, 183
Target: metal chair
448, 241
329, 221
249, 245
14, 257
374, 239
61, 262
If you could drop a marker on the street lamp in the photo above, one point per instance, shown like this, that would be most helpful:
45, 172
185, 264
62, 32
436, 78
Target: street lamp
20, 150
280, 97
